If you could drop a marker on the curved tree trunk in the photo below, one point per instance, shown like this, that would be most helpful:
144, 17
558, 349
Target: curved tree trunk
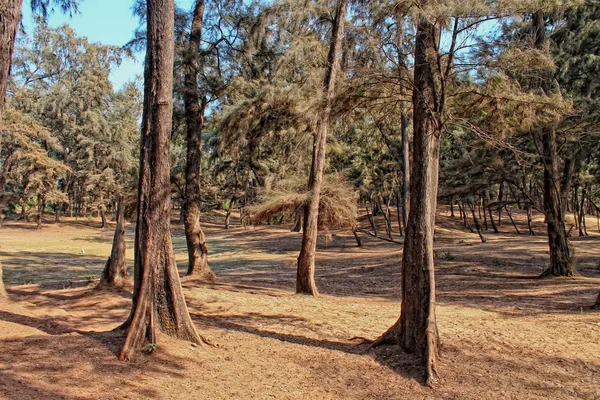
115, 270
416, 330
305, 277
194, 119
158, 302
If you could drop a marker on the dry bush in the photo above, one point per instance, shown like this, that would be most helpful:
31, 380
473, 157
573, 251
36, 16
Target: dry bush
338, 205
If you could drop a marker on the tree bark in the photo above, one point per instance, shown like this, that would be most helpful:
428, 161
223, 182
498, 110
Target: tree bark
529, 220
228, 214
115, 271
194, 119
477, 224
562, 262
416, 330
298, 224
512, 220
102, 210
10, 15
2, 289
305, 277
582, 225
597, 304
158, 302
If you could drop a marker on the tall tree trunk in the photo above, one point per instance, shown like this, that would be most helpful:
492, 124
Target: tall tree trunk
500, 197
194, 119
115, 270
305, 278
10, 15
416, 330
562, 262
158, 302
399, 214
404, 121
582, 225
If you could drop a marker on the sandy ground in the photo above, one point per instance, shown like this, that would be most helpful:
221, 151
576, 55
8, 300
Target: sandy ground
505, 334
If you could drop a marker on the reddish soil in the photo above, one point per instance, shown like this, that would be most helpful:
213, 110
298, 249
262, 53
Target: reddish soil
505, 334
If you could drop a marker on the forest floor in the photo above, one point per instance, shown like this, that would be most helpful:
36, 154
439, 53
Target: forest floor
504, 333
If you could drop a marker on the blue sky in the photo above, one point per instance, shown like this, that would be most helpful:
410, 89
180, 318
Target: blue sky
103, 21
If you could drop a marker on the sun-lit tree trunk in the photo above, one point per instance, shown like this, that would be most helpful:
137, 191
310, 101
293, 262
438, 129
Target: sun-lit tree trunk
10, 14
561, 258
115, 270
305, 279
194, 119
404, 121
416, 330
158, 302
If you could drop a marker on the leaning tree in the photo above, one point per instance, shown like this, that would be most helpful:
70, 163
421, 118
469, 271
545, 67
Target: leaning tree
305, 278
158, 302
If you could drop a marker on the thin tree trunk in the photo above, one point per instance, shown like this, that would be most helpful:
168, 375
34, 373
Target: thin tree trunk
371, 220
597, 304
158, 302
115, 270
529, 219
40, 211
404, 121
582, 225
305, 278
399, 214
102, 212
466, 219
228, 214
388, 221
494, 227
2, 289
576, 206
477, 224
500, 197
416, 330
512, 220
298, 224
452, 209
194, 120
358, 242
562, 262
484, 204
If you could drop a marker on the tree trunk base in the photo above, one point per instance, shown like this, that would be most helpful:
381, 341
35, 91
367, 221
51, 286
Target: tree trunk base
393, 336
206, 276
